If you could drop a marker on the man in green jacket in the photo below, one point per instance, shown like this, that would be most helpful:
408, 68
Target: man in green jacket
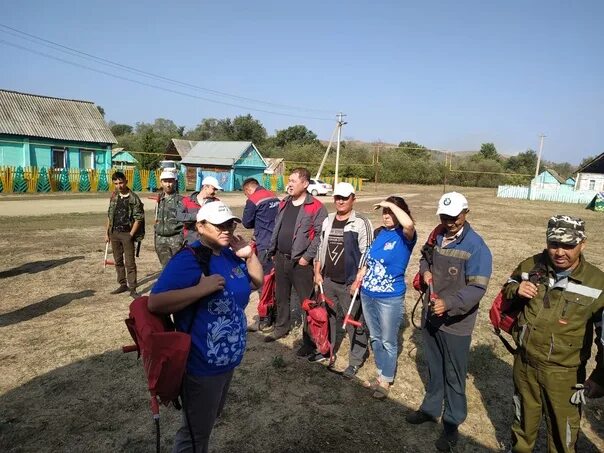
562, 299
125, 226
168, 229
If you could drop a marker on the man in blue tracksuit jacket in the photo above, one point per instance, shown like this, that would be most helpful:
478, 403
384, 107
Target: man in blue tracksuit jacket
259, 213
459, 267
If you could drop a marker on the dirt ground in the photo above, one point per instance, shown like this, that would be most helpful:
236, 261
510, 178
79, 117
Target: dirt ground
66, 386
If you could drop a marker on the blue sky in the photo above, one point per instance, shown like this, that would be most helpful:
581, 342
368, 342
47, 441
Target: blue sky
447, 74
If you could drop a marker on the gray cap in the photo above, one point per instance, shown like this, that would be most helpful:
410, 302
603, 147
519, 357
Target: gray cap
565, 229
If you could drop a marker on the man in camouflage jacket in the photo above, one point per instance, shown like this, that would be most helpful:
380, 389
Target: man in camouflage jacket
168, 229
125, 226
562, 300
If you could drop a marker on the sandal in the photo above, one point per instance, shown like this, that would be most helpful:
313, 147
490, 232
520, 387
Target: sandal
371, 385
381, 391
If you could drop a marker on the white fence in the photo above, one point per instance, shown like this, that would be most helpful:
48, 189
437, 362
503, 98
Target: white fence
562, 194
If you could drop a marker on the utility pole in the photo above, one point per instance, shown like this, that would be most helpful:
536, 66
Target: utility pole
539, 156
340, 124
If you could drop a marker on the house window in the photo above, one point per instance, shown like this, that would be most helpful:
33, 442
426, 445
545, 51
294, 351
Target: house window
592, 184
58, 158
86, 160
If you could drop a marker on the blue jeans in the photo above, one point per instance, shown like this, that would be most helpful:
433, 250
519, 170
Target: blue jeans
383, 316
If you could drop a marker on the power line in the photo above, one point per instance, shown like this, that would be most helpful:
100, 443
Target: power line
150, 85
81, 54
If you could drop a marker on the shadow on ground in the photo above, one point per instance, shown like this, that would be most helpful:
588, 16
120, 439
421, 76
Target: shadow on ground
277, 403
41, 308
38, 266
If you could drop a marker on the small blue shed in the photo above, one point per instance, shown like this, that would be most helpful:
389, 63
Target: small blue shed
230, 162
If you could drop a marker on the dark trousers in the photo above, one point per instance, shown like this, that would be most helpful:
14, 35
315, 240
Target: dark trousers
447, 357
339, 293
122, 245
167, 246
203, 400
289, 273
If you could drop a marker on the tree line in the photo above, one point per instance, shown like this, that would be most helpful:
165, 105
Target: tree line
409, 162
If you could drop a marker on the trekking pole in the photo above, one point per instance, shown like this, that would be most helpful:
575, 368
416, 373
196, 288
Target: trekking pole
105, 259
349, 319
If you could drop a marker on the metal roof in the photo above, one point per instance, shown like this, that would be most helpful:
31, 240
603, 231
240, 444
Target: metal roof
596, 165
183, 146
215, 153
47, 117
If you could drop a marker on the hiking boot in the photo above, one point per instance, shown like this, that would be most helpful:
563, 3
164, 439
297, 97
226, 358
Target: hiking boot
121, 289
134, 294
350, 372
317, 357
447, 440
305, 350
274, 336
419, 417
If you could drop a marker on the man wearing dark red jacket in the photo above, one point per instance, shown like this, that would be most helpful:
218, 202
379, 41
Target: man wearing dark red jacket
259, 213
294, 246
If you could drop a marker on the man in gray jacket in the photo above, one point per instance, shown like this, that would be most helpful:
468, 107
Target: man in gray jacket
293, 246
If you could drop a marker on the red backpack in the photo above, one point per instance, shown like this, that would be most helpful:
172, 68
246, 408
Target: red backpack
504, 316
317, 320
267, 297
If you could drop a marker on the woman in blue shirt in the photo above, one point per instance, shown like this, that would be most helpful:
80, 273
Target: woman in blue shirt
382, 281
210, 308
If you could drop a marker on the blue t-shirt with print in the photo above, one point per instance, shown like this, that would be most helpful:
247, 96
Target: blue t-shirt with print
386, 264
219, 331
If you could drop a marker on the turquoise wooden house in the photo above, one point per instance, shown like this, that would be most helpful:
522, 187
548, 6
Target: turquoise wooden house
41, 131
120, 158
548, 179
230, 163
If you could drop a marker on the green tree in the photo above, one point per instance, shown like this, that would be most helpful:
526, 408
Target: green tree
294, 134
525, 162
210, 129
488, 151
586, 160
246, 128
101, 110
120, 129
414, 150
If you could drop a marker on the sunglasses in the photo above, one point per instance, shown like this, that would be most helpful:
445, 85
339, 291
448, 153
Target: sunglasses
341, 198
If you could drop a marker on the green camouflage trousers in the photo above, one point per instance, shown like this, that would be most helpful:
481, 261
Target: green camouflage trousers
167, 246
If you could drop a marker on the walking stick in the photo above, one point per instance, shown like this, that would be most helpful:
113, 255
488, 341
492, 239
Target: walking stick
349, 319
106, 261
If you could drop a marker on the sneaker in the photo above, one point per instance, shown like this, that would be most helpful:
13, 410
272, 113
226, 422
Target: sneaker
350, 372
119, 290
447, 440
305, 351
317, 357
419, 417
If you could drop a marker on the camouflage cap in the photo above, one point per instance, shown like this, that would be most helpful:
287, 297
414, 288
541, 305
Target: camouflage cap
565, 229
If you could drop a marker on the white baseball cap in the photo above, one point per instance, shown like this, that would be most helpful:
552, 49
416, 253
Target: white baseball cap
168, 174
343, 189
216, 212
451, 204
211, 181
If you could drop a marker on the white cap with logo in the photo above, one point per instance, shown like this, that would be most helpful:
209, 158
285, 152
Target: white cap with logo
451, 204
211, 181
343, 189
216, 212
168, 174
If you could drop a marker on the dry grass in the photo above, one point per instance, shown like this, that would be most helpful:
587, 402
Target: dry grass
66, 386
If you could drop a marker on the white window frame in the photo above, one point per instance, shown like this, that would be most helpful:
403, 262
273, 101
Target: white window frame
59, 150
82, 151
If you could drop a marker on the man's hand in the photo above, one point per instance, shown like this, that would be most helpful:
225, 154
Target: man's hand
427, 277
527, 290
439, 308
302, 262
318, 279
210, 284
